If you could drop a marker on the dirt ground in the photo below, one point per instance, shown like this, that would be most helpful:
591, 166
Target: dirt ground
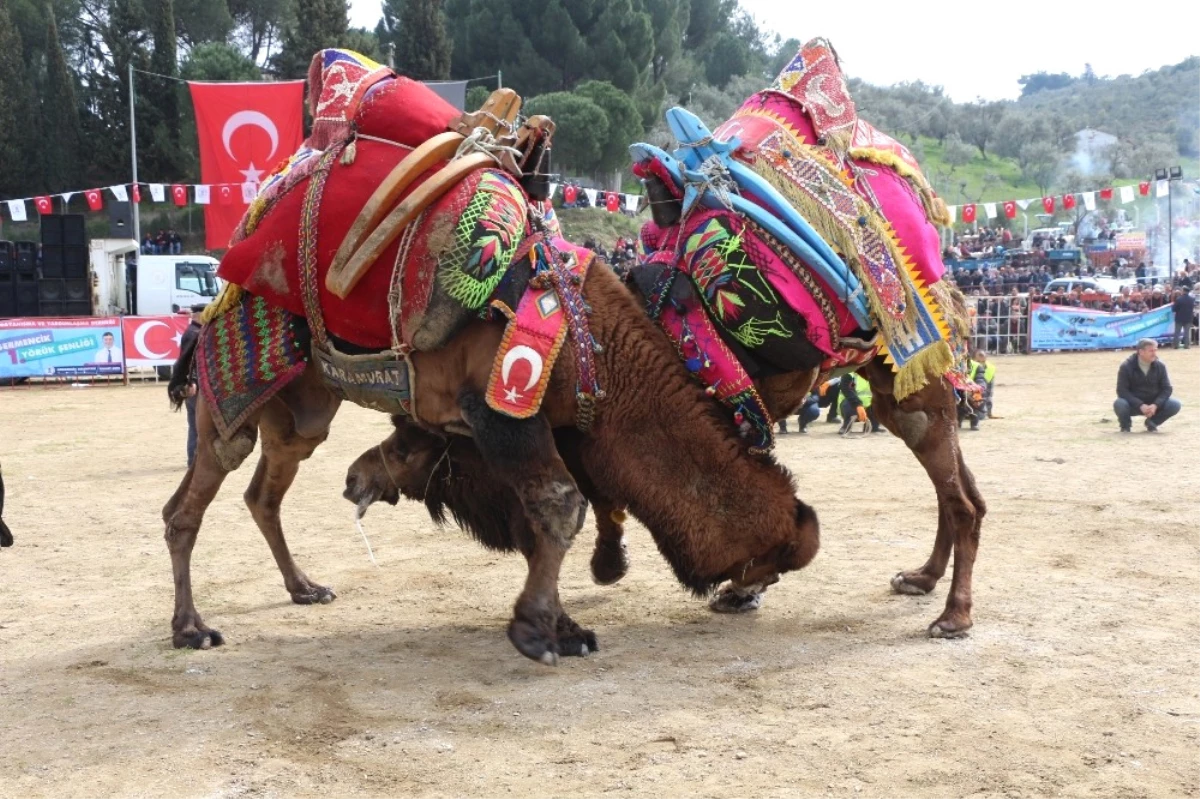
1079, 678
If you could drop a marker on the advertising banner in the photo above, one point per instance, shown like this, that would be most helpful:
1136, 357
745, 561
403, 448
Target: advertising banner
153, 340
1057, 327
68, 347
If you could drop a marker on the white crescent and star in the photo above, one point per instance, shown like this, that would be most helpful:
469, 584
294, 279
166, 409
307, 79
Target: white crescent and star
522, 352
139, 340
255, 118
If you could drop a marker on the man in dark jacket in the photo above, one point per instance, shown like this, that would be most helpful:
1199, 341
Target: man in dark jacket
6, 538
1143, 389
1185, 309
186, 344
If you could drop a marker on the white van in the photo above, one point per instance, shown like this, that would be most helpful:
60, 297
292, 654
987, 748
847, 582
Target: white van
1103, 285
169, 284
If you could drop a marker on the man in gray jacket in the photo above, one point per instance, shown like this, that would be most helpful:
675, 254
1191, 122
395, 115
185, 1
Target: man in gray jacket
1143, 389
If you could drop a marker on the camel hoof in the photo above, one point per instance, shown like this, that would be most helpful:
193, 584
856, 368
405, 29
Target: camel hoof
197, 639
946, 628
730, 600
315, 595
609, 564
903, 583
532, 642
573, 640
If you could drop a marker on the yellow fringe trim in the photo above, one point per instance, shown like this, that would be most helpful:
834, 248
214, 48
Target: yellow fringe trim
230, 296
928, 364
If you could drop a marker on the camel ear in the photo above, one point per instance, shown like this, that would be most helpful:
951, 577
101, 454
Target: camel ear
665, 208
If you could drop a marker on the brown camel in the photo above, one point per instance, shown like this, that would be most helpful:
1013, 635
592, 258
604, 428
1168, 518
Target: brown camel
657, 446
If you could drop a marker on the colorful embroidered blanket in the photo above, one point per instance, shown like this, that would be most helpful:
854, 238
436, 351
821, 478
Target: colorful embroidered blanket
246, 356
428, 282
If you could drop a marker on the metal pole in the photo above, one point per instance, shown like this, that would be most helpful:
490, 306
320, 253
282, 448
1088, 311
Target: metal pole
499, 79
137, 222
1170, 238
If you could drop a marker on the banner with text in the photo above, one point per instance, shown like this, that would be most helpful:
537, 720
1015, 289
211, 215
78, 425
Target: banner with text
1058, 327
53, 347
153, 340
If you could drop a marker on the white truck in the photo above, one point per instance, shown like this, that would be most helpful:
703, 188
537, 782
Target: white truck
148, 285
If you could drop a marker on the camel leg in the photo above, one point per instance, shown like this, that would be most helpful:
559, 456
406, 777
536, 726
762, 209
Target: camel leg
610, 557
282, 451
927, 422
184, 513
521, 452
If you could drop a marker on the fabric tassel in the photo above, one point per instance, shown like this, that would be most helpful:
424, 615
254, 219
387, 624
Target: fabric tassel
349, 153
229, 298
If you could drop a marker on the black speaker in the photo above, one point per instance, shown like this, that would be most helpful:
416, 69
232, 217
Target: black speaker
8, 258
77, 308
77, 290
120, 221
74, 230
26, 257
26, 301
52, 260
8, 294
52, 230
52, 308
51, 290
75, 261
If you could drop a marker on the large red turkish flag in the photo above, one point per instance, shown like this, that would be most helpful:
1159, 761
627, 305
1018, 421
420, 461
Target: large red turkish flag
245, 129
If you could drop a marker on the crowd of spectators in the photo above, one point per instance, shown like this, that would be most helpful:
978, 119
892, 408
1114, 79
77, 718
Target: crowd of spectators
167, 242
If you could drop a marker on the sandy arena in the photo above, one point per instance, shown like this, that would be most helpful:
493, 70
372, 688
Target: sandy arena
1079, 678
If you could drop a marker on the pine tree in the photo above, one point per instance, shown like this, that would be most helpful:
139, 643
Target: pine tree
162, 156
389, 27
319, 24
60, 114
423, 50
16, 128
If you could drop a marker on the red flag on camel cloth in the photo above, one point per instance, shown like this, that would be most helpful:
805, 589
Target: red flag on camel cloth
244, 129
1010, 209
1048, 204
969, 212
1068, 201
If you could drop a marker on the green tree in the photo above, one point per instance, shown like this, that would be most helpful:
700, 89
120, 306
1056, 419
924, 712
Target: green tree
581, 130
15, 112
956, 152
1040, 164
159, 133
728, 56
624, 123
978, 123
387, 30
259, 25
219, 61
60, 114
423, 50
318, 24
200, 21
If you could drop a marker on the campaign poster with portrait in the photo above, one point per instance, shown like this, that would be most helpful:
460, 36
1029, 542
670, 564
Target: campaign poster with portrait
67, 347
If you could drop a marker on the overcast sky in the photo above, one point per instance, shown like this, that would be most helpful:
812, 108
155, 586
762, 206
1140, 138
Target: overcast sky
974, 49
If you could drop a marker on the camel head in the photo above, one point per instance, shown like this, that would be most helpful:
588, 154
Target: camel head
401, 465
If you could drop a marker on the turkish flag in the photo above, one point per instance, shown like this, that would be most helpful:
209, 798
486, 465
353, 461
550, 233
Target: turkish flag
95, 200
612, 202
570, 193
245, 129
225, 195
1048, 204
179, 194
1144, 188
1010, 209
136, 193
153, 340
1106, 194
969, 212
1068, 201
44, 205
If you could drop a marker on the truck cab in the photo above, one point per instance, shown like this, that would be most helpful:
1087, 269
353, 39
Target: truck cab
169, 284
